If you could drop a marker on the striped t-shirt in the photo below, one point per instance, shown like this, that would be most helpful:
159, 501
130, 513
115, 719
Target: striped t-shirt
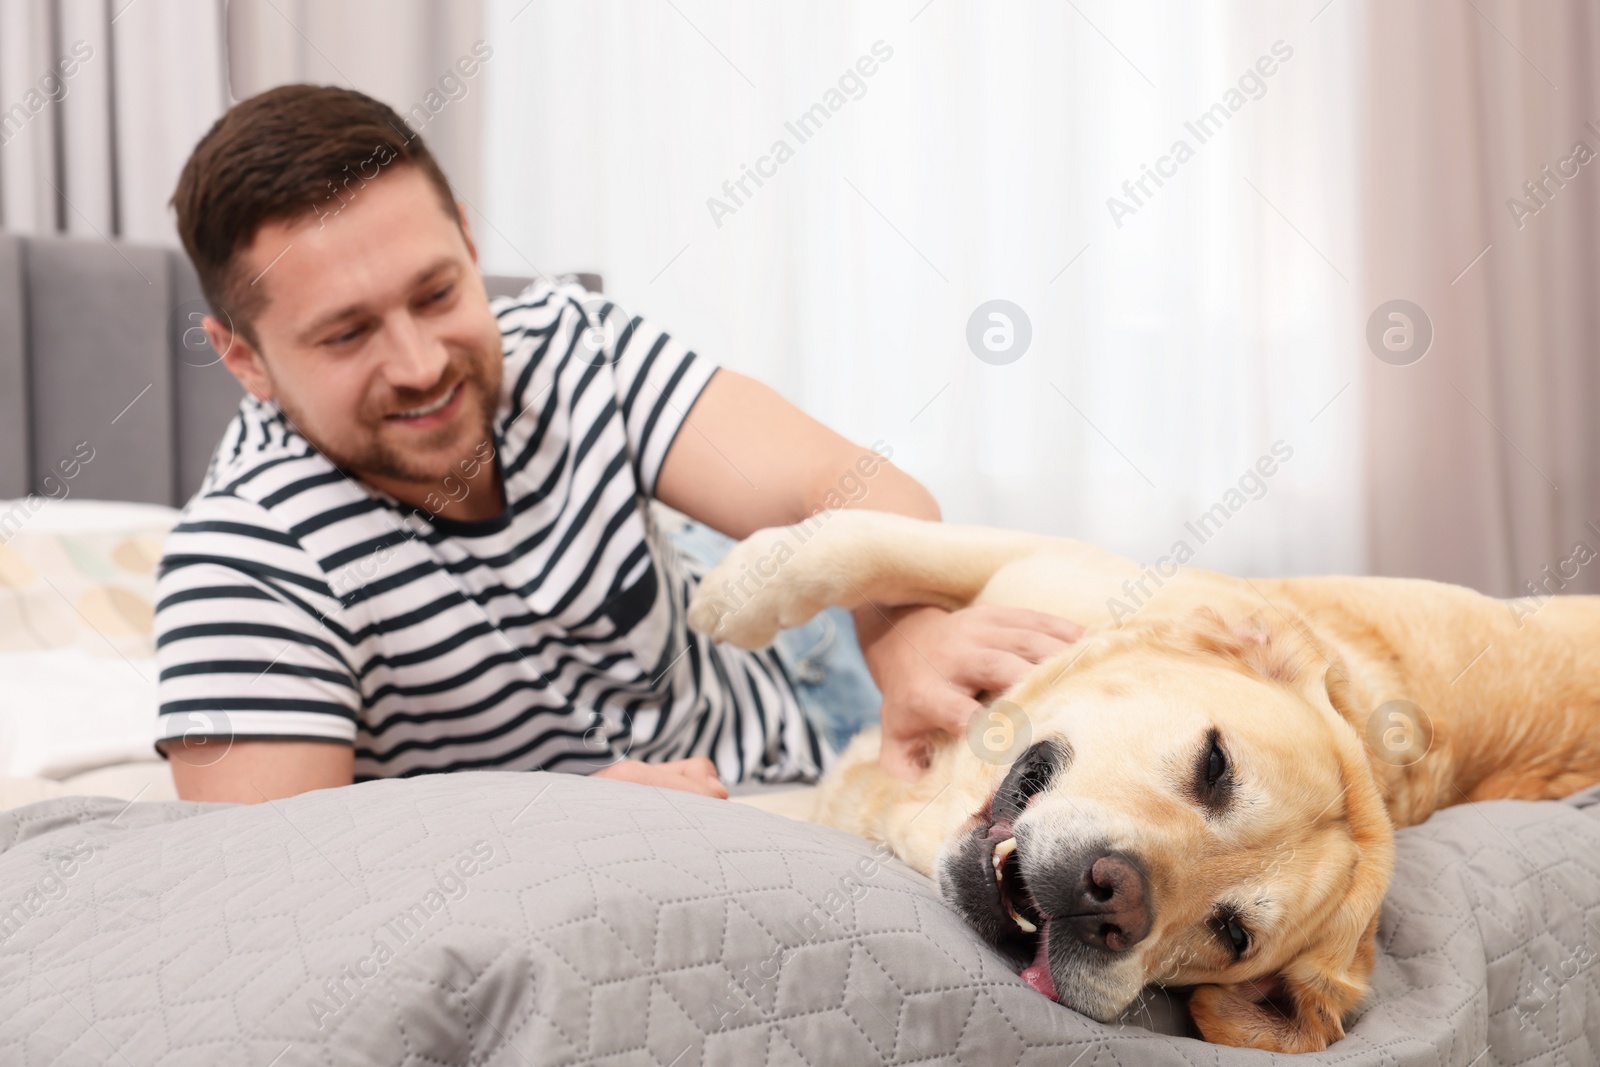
295, 602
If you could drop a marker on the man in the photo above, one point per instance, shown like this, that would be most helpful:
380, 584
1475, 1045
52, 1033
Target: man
424, 543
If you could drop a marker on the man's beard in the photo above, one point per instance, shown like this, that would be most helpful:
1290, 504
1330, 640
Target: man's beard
379, 457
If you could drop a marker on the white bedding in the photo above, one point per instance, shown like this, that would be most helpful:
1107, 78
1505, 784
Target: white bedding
77, 652
141, 781
64, 711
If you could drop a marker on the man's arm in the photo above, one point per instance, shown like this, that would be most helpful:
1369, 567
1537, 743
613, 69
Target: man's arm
248, 772
235, 652
745, 458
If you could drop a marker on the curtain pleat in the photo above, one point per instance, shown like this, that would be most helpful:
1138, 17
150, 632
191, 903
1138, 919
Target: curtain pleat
96, 152
1180, 328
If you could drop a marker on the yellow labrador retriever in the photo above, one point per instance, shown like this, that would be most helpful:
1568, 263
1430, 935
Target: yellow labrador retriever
1202, 791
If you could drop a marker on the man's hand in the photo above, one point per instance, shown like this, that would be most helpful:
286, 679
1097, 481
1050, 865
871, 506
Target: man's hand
930, 664
696, 775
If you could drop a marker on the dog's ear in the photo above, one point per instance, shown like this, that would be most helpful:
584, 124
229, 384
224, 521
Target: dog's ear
1269, 648
1301, 1009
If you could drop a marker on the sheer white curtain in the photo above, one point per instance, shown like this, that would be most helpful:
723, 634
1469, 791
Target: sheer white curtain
1168, 354
100, 104
974, 163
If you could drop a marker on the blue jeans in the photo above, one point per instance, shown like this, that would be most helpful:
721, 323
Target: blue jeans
822, 657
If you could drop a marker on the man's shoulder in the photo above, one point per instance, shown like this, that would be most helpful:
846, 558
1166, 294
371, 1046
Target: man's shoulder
539, 304
265, 474
260, 452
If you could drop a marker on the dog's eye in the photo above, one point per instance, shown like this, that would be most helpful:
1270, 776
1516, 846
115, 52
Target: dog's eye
1034, 779
1216, 764
1212, 784
1033, 773
1235, 936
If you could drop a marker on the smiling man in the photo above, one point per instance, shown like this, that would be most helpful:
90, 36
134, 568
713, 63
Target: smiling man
425, 543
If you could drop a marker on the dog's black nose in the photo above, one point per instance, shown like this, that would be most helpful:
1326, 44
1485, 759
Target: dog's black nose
1111, 910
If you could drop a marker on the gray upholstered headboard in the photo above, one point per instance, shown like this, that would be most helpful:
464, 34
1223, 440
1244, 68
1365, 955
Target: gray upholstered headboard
99, 344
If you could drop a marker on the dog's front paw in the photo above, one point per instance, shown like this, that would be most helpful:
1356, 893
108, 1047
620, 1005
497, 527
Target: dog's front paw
760, 587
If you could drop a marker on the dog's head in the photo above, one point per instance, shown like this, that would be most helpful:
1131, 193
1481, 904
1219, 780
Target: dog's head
1192, 811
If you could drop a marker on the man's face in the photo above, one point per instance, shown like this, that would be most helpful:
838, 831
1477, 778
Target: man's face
376, 339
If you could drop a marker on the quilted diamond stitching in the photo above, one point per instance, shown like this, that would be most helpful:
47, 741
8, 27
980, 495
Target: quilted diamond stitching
197, 934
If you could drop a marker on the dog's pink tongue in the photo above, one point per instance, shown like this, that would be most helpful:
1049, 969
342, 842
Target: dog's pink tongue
1038, 976
1037, 973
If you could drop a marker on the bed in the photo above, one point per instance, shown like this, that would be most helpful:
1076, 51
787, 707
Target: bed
611, 924
547, 919
495, 918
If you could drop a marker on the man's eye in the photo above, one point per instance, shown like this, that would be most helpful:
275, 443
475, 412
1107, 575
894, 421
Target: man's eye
346, 337
440, 295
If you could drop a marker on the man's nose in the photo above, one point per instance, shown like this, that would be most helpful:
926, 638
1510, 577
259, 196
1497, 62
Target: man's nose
413, 359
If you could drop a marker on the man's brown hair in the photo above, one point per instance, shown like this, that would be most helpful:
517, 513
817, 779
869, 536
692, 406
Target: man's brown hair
296, 150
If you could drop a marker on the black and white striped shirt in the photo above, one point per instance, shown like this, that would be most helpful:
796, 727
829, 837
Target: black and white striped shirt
294, 602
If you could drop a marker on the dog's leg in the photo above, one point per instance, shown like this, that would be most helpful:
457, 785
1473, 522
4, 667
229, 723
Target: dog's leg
782, 576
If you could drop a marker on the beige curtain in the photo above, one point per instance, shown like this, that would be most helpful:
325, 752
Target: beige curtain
1484, 454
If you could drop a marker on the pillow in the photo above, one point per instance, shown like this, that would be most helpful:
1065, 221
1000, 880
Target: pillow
77, 653
500, 918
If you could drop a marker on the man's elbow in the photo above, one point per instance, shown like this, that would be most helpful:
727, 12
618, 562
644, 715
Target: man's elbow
867, 478
222, 770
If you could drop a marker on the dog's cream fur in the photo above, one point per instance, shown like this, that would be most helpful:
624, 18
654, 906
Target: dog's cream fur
1291, 671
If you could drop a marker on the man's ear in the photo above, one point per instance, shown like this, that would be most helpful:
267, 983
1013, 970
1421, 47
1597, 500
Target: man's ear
240, 357
1301, 1009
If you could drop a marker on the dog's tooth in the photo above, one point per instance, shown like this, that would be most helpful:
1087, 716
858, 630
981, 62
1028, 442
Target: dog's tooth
998, 857
1027, 927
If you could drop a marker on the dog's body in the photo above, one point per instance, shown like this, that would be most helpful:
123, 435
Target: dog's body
1202, 791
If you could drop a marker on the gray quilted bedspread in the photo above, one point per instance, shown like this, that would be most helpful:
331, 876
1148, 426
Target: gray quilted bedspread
541, 919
